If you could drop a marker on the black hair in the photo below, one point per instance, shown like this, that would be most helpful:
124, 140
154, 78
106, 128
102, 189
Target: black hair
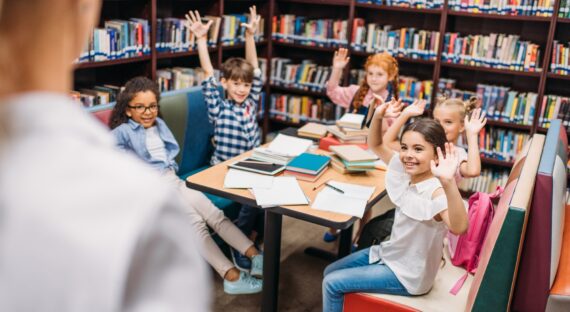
132, 87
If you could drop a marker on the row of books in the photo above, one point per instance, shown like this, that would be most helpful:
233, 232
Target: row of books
98, 95
417, 4
504, 7
406, 42
494, 50
306, 76
486, 182
180, 78
501, 144
173, 34
303, 108
118, 39
564, 10
313, 32
232, 31
554, 107
560, 62
498, 102
409, 88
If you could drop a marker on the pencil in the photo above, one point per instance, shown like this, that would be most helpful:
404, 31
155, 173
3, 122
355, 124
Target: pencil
316, 187
335, 188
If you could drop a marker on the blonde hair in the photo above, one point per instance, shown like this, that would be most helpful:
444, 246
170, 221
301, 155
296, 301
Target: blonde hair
465, 107
389, 64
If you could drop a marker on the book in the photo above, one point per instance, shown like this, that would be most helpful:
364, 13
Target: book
353, 153
308, 163
350, 120
253, 165
284, 191
312, 130
328, 141
303, 176
345, 198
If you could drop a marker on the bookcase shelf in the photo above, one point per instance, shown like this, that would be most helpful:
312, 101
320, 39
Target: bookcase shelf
303, 46
129, 60
241, 46
323, 2
297, 91
522, 18
558, 76
167, 55
496, 162
564, 20
399, 58
491, 70
502, 124
397, 8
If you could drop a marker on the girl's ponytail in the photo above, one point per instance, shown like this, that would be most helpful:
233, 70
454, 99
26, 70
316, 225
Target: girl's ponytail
470, 105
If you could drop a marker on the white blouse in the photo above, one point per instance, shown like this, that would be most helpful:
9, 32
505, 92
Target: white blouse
415, 248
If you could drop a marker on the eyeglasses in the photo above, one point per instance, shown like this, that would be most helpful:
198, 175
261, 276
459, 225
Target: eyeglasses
141, 109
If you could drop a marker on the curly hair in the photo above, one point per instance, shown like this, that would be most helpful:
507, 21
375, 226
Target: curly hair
389, 64
465, 107
132, 87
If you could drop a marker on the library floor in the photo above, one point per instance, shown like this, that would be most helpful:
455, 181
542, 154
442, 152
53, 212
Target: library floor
301, 275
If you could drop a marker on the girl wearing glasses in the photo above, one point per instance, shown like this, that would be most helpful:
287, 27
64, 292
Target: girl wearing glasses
138, 128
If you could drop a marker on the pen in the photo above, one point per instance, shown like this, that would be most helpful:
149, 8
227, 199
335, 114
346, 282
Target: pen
334, 188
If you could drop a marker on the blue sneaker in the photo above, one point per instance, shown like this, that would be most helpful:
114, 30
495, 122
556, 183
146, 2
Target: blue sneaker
330, 237
246, 284
257, 266
240, 261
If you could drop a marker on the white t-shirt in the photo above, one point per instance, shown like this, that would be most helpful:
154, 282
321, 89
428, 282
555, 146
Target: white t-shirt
462, 155
415, 248
83, 226
155, 145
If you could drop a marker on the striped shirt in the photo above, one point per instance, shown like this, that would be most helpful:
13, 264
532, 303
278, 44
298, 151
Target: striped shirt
235, 126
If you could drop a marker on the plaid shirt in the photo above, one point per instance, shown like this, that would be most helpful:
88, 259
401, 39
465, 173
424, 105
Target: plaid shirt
235, 126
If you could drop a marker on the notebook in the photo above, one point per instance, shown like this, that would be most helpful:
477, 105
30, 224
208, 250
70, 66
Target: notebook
253, 165
284, 191
353, 153
313, 130
350, 120
308, 163
352, 202
289, 146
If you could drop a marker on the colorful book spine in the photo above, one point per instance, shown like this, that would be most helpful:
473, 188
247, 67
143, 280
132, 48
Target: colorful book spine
416, 4
501, 144
305, 76
554, 107
500, 51
116, 40
504, 7
298, 109
233, 33
486, 182
560, 61
564, 10
404, 42
312, 32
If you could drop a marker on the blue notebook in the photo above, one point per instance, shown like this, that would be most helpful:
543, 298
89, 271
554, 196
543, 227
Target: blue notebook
308, 163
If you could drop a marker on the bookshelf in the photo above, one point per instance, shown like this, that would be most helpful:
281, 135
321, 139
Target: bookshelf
543, 31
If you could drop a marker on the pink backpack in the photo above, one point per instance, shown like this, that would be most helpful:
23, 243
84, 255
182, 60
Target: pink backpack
465, 248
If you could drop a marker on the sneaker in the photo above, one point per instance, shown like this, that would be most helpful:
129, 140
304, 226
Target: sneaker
330, 237
246, 284
240, 261
257, 266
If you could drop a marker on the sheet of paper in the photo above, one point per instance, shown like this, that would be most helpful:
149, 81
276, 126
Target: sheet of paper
241, 179
284, 191
354, 190
352, 202
288, 145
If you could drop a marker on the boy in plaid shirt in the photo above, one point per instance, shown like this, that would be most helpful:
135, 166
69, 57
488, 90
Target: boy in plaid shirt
234, 117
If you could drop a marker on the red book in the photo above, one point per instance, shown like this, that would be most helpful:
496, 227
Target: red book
328, 141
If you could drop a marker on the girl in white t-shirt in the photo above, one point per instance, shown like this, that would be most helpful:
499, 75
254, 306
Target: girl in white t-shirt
421, 183
453, 115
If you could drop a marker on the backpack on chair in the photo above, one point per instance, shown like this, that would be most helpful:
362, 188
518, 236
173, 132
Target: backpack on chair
465, 248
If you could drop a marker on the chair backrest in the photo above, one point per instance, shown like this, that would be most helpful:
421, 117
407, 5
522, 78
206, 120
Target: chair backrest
103, 115
543, 237
493, 282
174, 111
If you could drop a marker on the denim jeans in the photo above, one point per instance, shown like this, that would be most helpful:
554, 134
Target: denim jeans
353, 273
247, 218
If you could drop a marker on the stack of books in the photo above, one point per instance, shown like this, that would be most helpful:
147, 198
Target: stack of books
349, 135
282, 150
350, 120
352, 159
307, 167
312, 130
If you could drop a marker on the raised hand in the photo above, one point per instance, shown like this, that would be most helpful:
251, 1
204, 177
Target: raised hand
447, 164
415, 109
474, 125
194, 22
340, 58
394, 106
254, 19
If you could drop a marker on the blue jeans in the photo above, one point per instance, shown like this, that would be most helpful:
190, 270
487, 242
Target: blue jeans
248, 218
353, 273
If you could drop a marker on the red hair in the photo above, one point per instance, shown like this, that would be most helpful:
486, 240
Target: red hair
388, 63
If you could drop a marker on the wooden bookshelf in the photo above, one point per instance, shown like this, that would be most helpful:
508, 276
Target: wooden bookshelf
86, 65
491, 70
303, 46
320, 2
522, 18
514, 126
496, 162
397, 8
558, 76
284, 89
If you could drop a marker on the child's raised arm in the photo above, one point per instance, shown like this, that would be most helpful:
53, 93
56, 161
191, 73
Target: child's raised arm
201, 31
391, 136
340, 59
472, 167
455, 216
251, 28
391, 109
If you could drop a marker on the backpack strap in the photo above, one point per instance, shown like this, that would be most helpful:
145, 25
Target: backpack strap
457, 287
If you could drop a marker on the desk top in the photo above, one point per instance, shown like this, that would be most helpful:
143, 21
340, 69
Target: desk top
211, 181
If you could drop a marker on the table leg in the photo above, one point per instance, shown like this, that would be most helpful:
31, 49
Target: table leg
271, 260
344, 247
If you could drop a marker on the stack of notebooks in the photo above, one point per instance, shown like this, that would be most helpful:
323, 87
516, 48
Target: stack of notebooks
282, 150
312, 130
352, 159
349, 135
307, 167
349, 120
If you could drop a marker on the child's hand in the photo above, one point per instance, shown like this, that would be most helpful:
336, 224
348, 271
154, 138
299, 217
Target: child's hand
394, 106
340, 58
447, 165
477, 122
415, 109
194, 22
254, 19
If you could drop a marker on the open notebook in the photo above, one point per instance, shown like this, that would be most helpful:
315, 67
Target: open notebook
351, 202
